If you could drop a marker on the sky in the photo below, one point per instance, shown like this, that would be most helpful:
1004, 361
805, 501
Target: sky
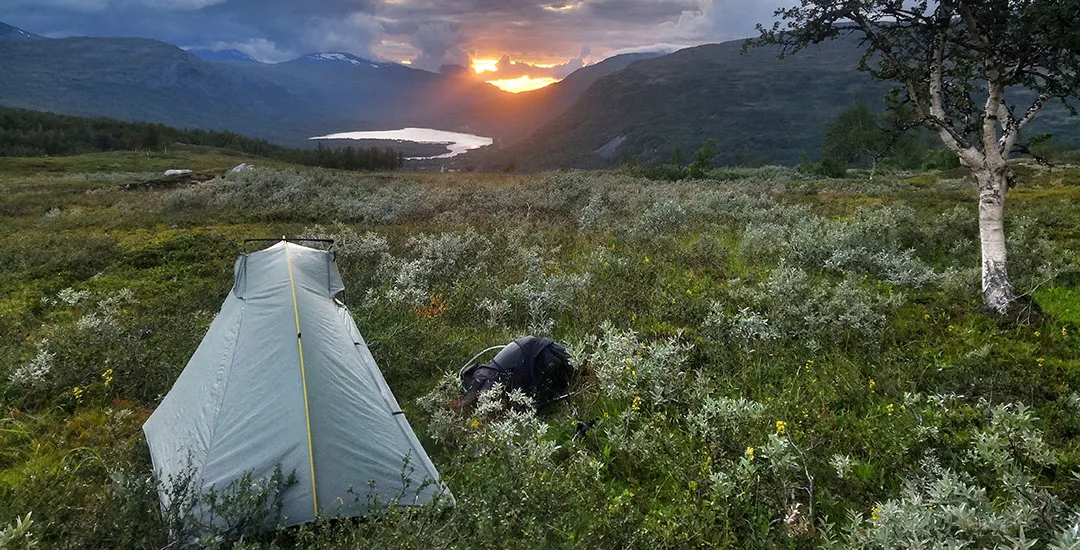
515, 40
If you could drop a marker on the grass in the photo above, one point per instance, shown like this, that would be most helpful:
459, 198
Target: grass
708, 310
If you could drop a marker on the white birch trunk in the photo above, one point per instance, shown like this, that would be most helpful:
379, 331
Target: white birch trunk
997, 290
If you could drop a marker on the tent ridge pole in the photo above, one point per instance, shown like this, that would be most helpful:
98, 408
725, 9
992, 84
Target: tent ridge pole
303, 379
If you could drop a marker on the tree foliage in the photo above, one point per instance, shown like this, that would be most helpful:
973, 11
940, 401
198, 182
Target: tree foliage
976, 72
954, 60
704, 159
854, 136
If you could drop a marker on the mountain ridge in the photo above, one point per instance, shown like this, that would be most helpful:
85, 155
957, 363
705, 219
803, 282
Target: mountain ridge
11, 33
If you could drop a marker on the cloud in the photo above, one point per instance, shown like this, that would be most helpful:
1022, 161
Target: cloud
662, 47
721, 19
118, 5
439, 44
357, 34
431, 33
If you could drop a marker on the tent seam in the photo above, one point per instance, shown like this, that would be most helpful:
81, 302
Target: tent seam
225, 388
396, 417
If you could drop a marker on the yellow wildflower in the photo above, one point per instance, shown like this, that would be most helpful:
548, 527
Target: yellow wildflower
475, 423
646, 260
637, 403
889, 408
874, 514
749, 453
107, 377
781, 427
872, 384
77, 391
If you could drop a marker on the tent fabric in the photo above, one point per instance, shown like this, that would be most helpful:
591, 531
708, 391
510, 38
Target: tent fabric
244, 404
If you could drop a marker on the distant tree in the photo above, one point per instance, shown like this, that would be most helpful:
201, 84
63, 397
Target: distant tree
961, 66
858, 134
704, 159
676, 157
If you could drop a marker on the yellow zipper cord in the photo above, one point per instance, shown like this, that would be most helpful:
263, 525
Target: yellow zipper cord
303, 379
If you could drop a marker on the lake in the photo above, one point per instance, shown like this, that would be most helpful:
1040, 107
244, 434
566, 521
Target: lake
457, 143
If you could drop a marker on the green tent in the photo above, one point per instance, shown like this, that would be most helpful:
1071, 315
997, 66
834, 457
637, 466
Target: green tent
284, 378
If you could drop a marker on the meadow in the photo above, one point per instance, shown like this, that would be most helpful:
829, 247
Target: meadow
774, 359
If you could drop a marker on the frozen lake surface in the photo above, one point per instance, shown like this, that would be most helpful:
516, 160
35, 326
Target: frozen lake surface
456, 142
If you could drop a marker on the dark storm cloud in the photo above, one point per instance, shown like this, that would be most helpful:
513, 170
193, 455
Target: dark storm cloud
430, 33
640, 11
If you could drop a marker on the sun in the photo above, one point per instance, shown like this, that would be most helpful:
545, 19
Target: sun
522, 84
512, 85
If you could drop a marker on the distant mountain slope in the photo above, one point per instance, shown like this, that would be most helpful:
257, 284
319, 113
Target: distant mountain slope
352, 93
757, 107
7, 32
147, 80
232, 56
513, 117
139, 79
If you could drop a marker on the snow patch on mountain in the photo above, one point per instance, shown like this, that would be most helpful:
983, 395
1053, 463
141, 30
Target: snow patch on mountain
338, 57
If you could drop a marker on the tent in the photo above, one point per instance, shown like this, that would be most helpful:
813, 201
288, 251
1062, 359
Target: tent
284, 378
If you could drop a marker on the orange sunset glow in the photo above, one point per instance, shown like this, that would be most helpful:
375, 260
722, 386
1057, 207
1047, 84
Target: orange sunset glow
522, 84
485, 65
512, 85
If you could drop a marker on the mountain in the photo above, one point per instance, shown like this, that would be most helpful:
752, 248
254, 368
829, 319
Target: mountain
758, 108
148, 80
9, 33
511, 118
352, 93
232, 56
317, 94
140, 79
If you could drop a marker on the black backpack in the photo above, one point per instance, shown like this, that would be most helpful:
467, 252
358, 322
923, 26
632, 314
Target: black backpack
537, 366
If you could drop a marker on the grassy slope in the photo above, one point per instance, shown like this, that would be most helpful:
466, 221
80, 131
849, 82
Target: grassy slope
657, 258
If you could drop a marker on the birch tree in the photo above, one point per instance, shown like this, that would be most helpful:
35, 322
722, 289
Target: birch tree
975, 72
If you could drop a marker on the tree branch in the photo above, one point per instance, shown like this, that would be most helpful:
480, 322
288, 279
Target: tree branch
949, 136
1012, 133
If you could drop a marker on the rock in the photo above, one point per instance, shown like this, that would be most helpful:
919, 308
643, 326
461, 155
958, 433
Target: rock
242, 167
176, 172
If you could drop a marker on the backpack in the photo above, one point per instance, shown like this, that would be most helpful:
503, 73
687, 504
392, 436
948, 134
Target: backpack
539, 367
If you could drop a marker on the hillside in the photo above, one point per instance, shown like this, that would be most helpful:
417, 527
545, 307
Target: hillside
146, 80
758, 108
774, 361
7, 32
